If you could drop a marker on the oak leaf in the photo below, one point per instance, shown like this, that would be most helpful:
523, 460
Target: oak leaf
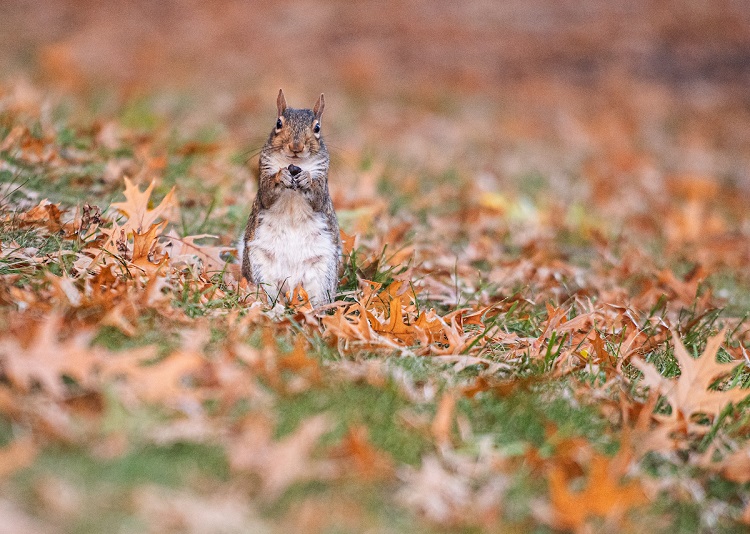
689, 394
300, 361
281, 463
185, 250
43, 214
395, 327
375, 299
144, 242
46, 359
298, 300
135, 207
349, 325
604, 496
364, 458
163, 381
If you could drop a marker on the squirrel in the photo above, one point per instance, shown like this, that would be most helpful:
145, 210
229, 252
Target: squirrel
292, 236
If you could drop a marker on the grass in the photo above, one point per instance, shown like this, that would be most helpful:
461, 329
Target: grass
107, 485
537, 413
354, 405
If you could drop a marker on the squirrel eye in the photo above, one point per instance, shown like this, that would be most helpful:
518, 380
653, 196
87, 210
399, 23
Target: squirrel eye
316, 128
279, 124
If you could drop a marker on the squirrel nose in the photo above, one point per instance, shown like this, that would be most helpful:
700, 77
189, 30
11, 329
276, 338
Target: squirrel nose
297, 146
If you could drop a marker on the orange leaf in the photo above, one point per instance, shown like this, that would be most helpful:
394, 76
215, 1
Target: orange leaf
136, 207
443, 422
347, 242
603, 496
299, 360
395, 327
144, 242
299, 300
16, 455
367, 461
47, 358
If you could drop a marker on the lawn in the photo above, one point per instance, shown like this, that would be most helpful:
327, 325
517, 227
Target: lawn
541, 325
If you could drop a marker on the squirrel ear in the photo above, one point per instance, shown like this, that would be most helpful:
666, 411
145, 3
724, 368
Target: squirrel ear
319, 105
281, 103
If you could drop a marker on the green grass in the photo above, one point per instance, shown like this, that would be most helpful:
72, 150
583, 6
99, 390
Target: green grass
353, 405
106, 486
536, 415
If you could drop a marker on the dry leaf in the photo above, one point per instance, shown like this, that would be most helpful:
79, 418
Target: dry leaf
284, 462
689, 394
16, 455
135, 207
604, 495
735, 466
185, 250
365, 460
442, 424
46, 359
163, 381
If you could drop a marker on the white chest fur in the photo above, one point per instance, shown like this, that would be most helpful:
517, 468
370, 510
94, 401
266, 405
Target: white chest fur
292, 246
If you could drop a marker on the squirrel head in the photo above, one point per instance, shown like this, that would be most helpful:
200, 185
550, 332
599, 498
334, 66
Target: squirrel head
296, 133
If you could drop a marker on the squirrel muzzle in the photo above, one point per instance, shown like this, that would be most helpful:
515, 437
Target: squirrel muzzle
296, 147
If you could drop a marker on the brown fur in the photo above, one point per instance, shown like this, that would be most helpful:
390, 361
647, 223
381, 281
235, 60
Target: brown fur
296, 135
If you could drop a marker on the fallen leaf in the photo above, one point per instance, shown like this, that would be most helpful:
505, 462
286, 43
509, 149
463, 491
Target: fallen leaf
442, 424
281, 463
689, 394
365, 460
604, 495
135, 207
16, 455
46, 359
735, 466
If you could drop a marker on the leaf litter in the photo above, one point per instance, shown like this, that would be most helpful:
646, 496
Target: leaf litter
123, 330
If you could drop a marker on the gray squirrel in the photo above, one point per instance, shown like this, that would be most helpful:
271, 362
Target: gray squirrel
292, 236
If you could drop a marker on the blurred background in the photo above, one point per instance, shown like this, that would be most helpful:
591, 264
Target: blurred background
615, 105
553, 158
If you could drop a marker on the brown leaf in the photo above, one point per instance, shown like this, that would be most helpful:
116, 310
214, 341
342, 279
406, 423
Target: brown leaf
45, 214
367, 461
135, 207
300, 361
299, 300
163, 381
442, 424
689, 394
348, 243
144, 242
185, 250
18, 454
280, 463
351, 324
47, 358
604, 495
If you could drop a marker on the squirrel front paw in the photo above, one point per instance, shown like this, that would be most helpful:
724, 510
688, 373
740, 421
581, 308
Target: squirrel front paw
303, 180
285, 178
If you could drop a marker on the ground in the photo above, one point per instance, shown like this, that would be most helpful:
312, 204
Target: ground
541, 325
